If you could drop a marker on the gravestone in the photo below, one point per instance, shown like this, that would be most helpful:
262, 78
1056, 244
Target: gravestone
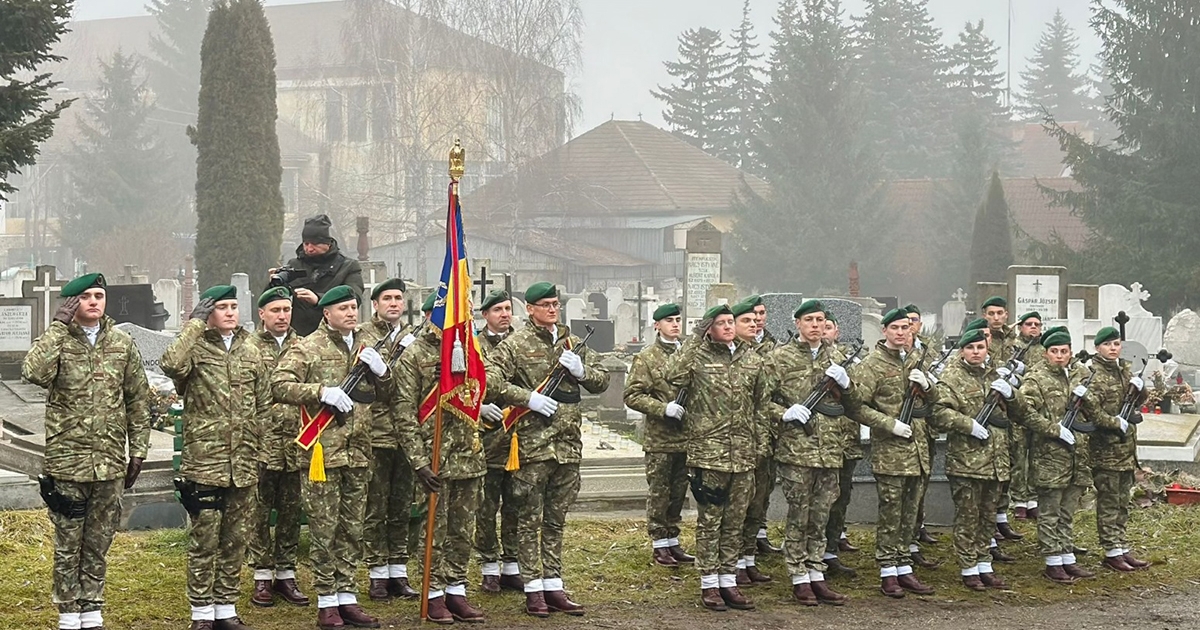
889, 302
12, 280
780, 307
599, 302
849, 315
575, 308
1037, 288
44, 288
1089, 293
985, 290
603, 340
245, 300
872, 330
701, 270
1143, 326
1182, 338
169, 293
954, 314
615, 297
625, 326
131, 303
150, 343
719, 293
18, 320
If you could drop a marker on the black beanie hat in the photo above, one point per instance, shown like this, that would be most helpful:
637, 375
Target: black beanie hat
316, 229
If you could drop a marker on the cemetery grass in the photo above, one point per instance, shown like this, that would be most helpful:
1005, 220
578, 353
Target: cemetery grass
608, 570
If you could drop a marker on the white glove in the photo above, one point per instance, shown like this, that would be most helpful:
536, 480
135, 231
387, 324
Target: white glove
407, 340
918, 377
572, 362
370, 357
1080, 391
1065, 435
1008, 375
797, 413
1002, 386
933, 380
1138, 383
336, 398
1020, 368
542, 404
675, 410
1124, 424
978, 431
491, 413
899, 429
839, 375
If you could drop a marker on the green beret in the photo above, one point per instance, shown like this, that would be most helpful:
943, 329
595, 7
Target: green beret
387, 285
912, 309
720, 309
970, 337
494, 298
1060, 338
741, 308
978, 323
220, 292
427, 305
1030, 315
754, 300
670, 309
1054, 329
83, 283
274, 294
894, 315
540, 291
337, 295
829, 316
1108, 333
996, 300
809, 306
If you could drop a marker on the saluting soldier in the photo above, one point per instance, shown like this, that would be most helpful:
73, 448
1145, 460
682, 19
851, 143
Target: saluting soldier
1021, 488
727, 395
390, 490
97, 406
274, 563
665, 443
836, 540
549, 440
497, 554
223, 380
810, 448
335, 490
745, 323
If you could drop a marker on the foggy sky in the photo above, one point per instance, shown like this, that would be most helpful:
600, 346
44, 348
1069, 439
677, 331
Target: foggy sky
626, 41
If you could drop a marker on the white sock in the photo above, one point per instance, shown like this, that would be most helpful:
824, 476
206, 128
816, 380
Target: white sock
828, 556
346, 599
885, 572
914, 548
510, 568
762, 533
749, 561
661, 543
843, 536
992, 544
709, 581
224, 611
285, 574
491, 568
436, 594
203, 613
1019, 504
985, 567
1068, 558
263, 574
457, 589
1054, 561
816, 576
972, 571
727, 581
378, 573
325, 601
91, 619
1002, 517
1113, 553
1125, 551
68, 621
741, 564
800, 579
1032, 505
397, 571
672, 542
533, 586
552, 584
904, 570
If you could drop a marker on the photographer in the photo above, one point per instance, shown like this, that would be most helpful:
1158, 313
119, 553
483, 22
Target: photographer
318, 267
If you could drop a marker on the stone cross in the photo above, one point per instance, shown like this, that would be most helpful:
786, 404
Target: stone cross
483, 282
642, 298
959, 295
1121, 319
44, 289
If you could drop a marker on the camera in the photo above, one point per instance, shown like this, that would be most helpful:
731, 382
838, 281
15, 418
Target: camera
284, 276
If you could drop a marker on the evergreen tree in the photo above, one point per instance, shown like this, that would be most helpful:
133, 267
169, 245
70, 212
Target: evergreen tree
239, 206
745, 97
697, 107
28, 30
1052, 81
174, 64
991, 243
1140, 197
823, 205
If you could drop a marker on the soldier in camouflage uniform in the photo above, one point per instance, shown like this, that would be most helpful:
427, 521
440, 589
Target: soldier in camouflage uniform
1113, 448
459, 477
764, 343
746, 328
390, 490
1063, 472
550, 444
497, 554
808, 463
899, 447
727, 384
223, 381
1021, 491
97, 405
665, 443
1002, 343
836, 540
279, 473
922, 346
335, 490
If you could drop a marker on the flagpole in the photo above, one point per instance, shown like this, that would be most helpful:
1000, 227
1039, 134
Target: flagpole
429, 520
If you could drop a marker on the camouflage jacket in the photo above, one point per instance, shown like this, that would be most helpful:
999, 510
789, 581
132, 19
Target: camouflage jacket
646, 390
962, 390
1110, 450
1035, 357
278, 450
1002, 346
495, 439
726, 406
848, 428
417, 372
1044, 396
793, 375
880, 383
97, 402
323, 360
226, 404
518, 365
383, 417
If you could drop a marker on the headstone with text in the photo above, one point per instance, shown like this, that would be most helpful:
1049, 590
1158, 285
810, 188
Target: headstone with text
1037, 288
150, 343
702, 269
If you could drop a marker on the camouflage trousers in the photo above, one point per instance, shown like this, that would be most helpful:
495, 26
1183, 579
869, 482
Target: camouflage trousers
974, 518
543, 492
897, 518
837, 513
335, 509
1112, 506
1022, 478
719, 527
217, 547
389, 505
453, 532
81, 545
496, 497
278, 490
1056, 515
810, 495
924, 490
1005, 499
667, 485
760, 502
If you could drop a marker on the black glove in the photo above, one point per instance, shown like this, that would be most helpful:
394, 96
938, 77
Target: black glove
429, 480
132, 471
203, 309
66, 312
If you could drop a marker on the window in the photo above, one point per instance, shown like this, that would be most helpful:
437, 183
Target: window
334, 127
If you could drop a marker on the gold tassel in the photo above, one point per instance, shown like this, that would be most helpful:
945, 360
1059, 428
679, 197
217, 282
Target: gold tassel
458, 358
316, 466
514, 457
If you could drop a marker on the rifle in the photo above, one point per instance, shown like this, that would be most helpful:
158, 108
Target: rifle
987, 415
1129, 405
910, 397
940, 364
825, 388
354, 377
1070, 419
548, 387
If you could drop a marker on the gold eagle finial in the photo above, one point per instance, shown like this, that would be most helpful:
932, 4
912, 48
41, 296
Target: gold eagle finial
457, 157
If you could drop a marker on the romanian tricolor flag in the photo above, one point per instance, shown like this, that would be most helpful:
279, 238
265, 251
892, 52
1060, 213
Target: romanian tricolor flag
463, 379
